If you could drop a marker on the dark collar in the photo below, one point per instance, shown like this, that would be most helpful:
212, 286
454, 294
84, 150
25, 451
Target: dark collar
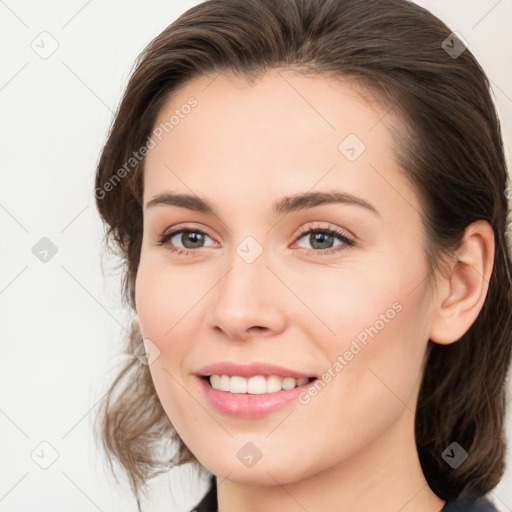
209, 502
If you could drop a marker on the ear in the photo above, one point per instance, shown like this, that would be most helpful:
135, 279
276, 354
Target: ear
463, 288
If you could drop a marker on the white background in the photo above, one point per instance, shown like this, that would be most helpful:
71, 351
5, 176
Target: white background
62, 321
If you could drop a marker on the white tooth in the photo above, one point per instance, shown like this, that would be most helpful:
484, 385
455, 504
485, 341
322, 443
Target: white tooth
224, 382
256, 385
288, 383
215, 381
238, 384
273, 384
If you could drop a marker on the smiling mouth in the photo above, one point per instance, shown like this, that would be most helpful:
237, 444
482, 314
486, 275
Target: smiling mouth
255, 385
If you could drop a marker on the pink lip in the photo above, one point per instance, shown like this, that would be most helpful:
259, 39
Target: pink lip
245, 405
249, 370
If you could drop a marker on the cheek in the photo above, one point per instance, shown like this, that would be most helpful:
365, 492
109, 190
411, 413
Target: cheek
373, 367
379, 318
164, 300
165, 297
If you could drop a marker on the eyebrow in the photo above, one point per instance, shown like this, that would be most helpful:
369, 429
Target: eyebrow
286, 205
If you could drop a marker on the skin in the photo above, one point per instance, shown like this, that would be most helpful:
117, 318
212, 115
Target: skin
244, 147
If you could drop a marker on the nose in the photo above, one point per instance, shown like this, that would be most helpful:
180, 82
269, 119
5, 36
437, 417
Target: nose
245, 301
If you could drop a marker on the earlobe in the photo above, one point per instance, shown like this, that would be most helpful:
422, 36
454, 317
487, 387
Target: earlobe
465, 285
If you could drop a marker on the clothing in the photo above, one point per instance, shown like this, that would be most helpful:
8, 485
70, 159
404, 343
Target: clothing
209, 503
479, 505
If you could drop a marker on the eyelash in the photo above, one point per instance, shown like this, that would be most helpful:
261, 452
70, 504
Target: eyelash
347, 241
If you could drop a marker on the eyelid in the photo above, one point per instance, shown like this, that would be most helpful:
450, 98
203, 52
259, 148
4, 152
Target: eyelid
326, 226
169, 233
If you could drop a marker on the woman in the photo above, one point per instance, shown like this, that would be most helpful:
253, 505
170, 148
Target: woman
309, 200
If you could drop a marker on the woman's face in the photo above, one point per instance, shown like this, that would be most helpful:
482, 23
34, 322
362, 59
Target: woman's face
260, 287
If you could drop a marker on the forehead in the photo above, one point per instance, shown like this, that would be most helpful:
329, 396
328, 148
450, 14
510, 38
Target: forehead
279, 107
284, 132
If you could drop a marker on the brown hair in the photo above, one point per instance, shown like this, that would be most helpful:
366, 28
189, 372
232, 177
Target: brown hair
449, 147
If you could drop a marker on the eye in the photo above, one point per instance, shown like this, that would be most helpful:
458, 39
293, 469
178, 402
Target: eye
191, 238
322, 239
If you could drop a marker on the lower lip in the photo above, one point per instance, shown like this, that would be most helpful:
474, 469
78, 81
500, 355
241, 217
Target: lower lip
245, 405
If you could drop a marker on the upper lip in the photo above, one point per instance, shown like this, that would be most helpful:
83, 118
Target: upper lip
249, 370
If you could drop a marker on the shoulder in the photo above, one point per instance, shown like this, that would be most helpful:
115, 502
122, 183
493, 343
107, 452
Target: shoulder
470, 505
